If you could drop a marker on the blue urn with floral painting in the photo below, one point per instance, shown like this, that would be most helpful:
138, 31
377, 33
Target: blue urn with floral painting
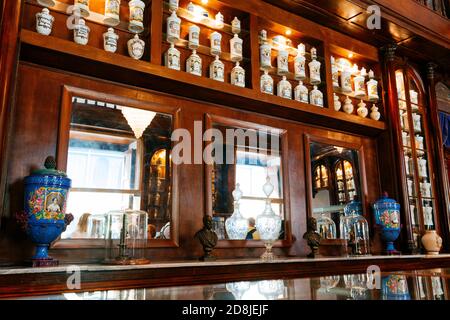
395, 287
387, 216
44, 218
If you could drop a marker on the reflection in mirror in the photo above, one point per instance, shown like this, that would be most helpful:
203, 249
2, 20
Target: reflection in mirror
117, 160
335, 182
247, 162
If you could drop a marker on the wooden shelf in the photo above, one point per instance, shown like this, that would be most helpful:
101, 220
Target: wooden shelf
98, 63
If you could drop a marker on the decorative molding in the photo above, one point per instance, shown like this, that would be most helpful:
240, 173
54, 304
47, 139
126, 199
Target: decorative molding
389, 52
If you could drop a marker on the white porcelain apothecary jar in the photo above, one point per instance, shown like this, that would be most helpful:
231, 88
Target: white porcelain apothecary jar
283, 62
372, 87
110, 39
190, 7
217, 70
46, 3
266, 83
410, 184
346, 80
173, 28
314, 68
173, 5
417, 122
236, 44
172, 58
236, 25
348, 106
407, 165
334, 72
136, 47
194, 37
405, 139
194, 64
337, 102
112, 12
265, 52
425, 189
419, 143
216, 43
83, 6
423, 172
219, 21
238, 76
428, 216
284, 89
301, 93
136, 23
300, 63
44, 22
316, 97
358, 81
375, 114
81, 32
362, 110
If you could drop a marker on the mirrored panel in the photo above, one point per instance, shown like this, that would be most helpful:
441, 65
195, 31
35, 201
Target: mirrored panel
246, 181
335, 182
118, 159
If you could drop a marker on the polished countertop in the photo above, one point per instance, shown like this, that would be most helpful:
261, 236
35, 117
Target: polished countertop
428, 284
225, 262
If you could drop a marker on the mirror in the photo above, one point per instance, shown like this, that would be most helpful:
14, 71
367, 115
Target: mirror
247, 157
335, 182
117, 160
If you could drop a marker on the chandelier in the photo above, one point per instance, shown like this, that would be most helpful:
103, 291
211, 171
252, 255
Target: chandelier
138, 119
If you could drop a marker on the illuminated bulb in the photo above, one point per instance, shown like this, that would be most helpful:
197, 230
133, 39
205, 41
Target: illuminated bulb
350, 55
205, 1
288, 32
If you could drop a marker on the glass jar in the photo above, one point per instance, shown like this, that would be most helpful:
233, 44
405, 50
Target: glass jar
326, 227
236, 225
130, 228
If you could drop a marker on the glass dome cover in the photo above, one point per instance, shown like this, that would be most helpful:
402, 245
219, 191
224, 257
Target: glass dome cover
326, 227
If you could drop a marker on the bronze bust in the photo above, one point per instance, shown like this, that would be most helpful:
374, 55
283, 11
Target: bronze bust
208, 239
312, 237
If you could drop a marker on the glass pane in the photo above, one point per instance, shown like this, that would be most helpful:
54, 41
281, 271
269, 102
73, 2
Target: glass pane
246, 158
342, 185
117, 160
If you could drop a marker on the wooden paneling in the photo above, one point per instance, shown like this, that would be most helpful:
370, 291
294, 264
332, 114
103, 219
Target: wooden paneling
40, 97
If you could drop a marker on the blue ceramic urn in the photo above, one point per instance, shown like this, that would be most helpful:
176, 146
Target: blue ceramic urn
395, 287
44, 218
354, 207
387, 216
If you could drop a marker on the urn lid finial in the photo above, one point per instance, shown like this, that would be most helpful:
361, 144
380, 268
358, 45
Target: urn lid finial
49, 169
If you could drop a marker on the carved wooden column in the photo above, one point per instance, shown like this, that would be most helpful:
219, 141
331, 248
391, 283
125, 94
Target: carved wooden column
438, 156
395, 177
9, 39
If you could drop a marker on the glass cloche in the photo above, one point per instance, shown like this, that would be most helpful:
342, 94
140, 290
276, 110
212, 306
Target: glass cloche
126, 236
326, 227
355, 229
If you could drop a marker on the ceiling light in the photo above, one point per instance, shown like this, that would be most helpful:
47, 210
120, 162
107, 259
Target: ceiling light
138, 119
